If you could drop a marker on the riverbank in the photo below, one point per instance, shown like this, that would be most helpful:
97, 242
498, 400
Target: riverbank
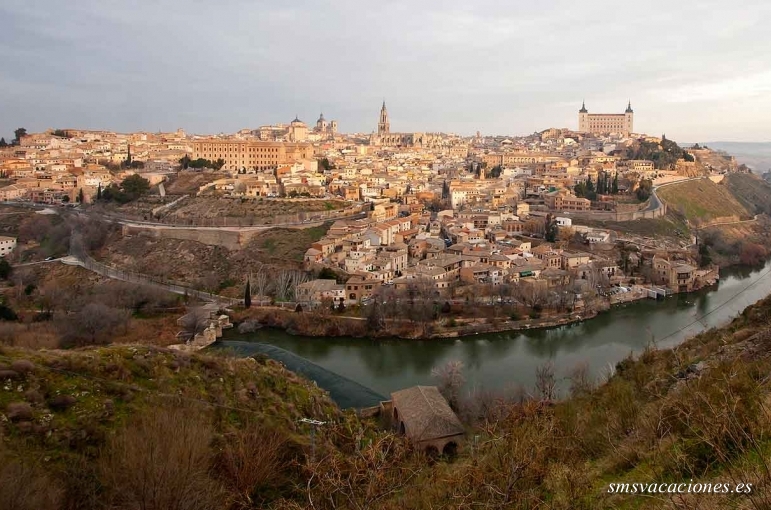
313, 324
500, 360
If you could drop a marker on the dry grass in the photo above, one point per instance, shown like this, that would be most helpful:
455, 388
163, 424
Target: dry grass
161, 461
703, 200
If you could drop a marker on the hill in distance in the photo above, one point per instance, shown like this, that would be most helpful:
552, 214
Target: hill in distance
756, 155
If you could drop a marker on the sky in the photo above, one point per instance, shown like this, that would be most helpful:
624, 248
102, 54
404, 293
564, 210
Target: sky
696, 71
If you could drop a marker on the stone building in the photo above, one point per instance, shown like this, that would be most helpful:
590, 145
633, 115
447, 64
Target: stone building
423, 415
385, 137
598, 123
250, 155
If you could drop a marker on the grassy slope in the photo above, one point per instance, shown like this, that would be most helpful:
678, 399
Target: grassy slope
670, 225
703, 200
698, 412
286, 243
752, 191
110, 383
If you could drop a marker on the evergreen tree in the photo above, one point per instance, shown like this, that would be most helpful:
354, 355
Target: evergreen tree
99, 192
3, 143
248, 294
80, 196
614, 189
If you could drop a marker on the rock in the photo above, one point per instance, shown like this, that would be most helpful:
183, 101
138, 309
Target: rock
25, 426
33, 396
8, 374
22, 366
61, 402
19, 411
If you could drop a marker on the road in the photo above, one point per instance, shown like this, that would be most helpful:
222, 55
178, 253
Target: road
251, 228
36, 263
655, 202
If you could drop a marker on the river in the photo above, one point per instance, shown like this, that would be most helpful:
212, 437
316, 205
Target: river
498, 361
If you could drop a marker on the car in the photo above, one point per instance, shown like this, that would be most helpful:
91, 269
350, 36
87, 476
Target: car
49, 259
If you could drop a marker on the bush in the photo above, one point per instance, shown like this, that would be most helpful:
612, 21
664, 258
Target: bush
161, 460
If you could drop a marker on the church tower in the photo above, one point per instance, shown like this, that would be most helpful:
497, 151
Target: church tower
383, 127
583, 119
629, 119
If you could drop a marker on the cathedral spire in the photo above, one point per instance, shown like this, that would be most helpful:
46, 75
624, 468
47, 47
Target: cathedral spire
583, 107
383, 126
629, 107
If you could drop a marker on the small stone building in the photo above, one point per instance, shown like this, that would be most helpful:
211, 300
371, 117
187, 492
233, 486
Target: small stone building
424, 416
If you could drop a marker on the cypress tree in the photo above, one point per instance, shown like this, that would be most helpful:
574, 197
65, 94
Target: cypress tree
99, 192
80, 196
248, 294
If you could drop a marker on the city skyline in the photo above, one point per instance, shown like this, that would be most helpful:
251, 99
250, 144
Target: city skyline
457, 69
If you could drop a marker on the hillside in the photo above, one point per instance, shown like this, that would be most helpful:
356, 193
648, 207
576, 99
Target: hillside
756, 155
139, 427
213, 268
752, 191
143, 427
703, 200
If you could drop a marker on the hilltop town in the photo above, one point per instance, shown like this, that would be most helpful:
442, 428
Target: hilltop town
457, 234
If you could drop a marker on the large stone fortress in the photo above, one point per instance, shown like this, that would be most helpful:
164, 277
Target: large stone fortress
621, 123
250, 155
384, 136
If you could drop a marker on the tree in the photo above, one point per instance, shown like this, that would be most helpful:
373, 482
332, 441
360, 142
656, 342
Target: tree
644, 189
99, 191
248, 295
3, 143
19, 134
5, 269
552, 229
450, 380
81, 197
60, 133
614, 187
195, 321
324, 164
135, 185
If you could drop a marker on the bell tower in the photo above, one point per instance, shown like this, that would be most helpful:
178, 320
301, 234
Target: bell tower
583, 119
383, 127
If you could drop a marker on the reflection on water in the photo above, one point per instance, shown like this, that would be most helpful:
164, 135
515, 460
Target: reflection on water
506, 359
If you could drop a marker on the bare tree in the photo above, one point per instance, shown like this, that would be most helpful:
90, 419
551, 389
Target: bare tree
260, 283
546, 381
94, 324
194, 322
283, 285
450, 381
161, 460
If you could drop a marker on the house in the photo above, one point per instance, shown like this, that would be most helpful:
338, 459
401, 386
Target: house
572, 260
7, 244
677, 276
357, 288
423, 415
317, 291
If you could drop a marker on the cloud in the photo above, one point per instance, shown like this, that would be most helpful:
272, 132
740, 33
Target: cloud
453, 66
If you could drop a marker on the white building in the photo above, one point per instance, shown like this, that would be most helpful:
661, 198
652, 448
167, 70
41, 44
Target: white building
7, 244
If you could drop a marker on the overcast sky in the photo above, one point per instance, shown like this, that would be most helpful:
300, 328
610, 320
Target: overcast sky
697, 71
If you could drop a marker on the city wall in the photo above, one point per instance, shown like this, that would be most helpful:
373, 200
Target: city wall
232, 239
622, 216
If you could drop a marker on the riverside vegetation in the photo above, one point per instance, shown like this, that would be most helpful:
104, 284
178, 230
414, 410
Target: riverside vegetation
144, 427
